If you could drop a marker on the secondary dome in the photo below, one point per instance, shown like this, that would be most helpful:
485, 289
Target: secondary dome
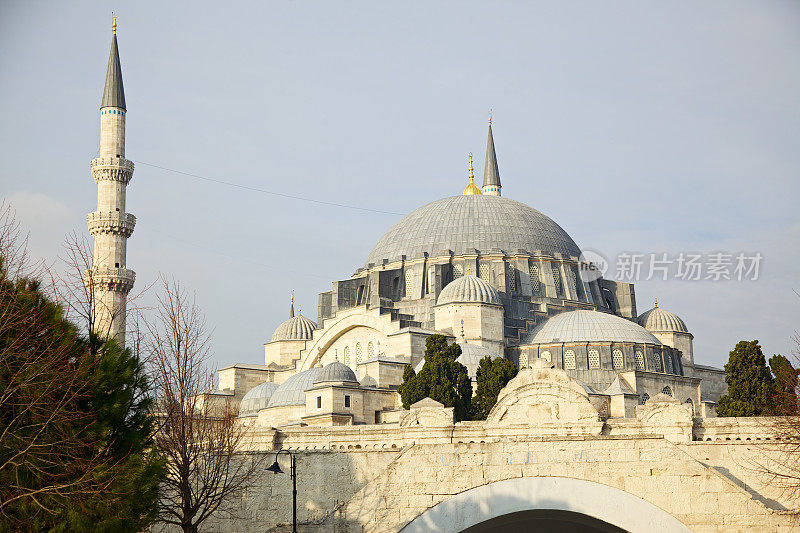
297, 328
257, 398
587, 326
336, 371
657, 319
464, 224
293, 390
468, 289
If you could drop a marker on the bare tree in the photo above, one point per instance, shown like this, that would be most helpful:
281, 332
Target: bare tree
47, 455
201, 446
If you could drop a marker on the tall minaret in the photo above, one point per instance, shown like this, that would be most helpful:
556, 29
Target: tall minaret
109, 279
491, 174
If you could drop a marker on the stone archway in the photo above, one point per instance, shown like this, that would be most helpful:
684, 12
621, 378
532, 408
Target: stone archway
565, 499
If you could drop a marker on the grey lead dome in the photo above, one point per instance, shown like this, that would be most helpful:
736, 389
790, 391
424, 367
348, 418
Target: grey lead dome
297, 328
657, 319
585, 326
468, 289
464, 224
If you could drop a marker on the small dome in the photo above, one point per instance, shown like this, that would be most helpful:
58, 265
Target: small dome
257, 398
471, 355
297, 328
657, 319
336, 371
293, 390
468, 289
587, 326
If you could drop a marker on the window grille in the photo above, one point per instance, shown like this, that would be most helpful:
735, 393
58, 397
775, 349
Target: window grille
523, 360
535, 283
639, 360
409, 282
483, 271
644, 398
668, 362
594, 359
667, 391
347, 355
511, 276
458, 271
557, 281
358, 352
569, 360
370, 350
616, 359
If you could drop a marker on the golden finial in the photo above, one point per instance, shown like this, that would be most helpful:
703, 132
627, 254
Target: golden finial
114, 24
471, 189
490, 117
656, 301
291, 297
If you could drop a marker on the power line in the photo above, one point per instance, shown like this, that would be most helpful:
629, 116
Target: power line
265, 191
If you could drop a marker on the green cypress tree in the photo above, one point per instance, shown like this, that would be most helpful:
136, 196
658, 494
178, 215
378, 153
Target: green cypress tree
785, 386
749, 382
492, 376
442, 378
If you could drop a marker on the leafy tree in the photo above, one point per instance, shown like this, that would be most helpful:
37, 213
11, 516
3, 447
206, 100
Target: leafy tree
750, 383
442, 378
492, 376
784, 388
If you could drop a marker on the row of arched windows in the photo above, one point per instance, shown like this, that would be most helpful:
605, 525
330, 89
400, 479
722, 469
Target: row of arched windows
359, 354
617, 360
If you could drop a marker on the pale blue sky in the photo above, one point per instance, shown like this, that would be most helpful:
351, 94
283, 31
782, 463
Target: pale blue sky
639, 126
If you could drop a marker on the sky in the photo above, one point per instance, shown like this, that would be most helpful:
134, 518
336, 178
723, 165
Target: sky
639, 127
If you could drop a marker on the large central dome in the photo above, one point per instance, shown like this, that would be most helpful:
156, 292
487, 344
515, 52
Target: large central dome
464, 224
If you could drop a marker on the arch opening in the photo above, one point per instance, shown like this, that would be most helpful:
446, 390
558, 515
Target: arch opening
544, 521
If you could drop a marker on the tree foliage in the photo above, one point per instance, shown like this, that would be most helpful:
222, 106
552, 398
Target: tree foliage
73, 423
784, 394
750, 383
492, 376
442, 378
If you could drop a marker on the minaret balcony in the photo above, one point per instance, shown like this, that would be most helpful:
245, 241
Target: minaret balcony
110, 279
112, 168
110, 222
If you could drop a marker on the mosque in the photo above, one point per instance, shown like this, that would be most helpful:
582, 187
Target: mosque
497, 277
608, 426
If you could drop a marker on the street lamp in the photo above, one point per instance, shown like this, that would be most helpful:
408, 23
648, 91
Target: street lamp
276, 469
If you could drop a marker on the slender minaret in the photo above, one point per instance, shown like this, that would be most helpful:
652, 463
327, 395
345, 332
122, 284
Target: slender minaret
109, 280
491, 174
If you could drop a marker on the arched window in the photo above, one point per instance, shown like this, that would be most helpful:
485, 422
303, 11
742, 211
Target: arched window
511, 278
643, 398
546, 356
557, 281
370, 350
409, 283
347, 355
535, 283
668, 362
617, 360
594, 359
523, 360
639, 360
358, 353
483, 271
667, 390
655, 362
690, 403
458, 270
569, 360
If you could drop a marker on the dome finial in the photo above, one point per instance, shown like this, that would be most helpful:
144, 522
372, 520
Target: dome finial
114, 23
471, 188
656, 301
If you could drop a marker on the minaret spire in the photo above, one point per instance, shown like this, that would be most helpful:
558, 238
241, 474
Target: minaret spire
491, 174
109, 279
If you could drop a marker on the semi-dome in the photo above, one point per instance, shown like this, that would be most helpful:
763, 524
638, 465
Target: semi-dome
588, 326
293, 390
336, 371
464, 224
657, 319
297, 328
468, 289
257, 398
471, 355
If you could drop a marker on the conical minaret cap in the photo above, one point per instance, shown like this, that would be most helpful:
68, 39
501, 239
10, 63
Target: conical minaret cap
113, 92
491, 174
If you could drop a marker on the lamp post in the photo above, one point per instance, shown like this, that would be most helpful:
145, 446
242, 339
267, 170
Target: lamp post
276, 469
